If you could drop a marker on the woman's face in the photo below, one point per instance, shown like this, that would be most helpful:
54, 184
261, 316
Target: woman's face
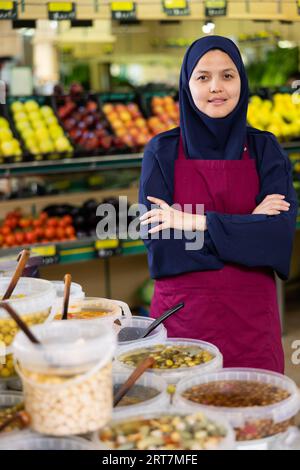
215, 84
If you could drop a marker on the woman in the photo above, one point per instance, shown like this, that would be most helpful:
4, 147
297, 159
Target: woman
243, 178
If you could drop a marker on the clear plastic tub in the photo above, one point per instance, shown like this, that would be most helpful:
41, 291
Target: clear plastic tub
173, 376
76, 296
147, 381
67, 379
250, 422
211, 442
32, 299
96, 308
31, 441
290, 440
156, 336
9, 400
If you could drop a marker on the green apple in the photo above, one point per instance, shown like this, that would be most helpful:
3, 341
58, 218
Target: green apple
28, 133
46, 111
42, 134
16, 106
37, 125
22, 126
62, 144
56, 132
7, 148
46, 146
51, 120
20, 116
4, 123
31, 142
5, 135
31, 105
35, 116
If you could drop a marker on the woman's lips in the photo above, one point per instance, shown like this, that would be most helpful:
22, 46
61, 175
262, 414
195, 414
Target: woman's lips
217, 102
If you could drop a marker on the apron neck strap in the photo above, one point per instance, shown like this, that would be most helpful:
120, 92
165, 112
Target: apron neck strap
181, 154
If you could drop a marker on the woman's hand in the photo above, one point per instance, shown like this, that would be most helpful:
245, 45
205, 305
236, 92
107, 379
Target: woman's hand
273, 204
172, 218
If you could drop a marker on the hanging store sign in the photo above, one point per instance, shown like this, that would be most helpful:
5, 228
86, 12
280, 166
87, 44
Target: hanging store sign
215, 7
176, 7
8, 10
123, 10
59, 11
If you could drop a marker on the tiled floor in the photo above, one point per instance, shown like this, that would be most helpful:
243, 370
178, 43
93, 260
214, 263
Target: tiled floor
292, 333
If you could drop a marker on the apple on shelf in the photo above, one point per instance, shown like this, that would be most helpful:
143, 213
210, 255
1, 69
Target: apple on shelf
165, 114
39, 128
9, 146
85, 124
128, 124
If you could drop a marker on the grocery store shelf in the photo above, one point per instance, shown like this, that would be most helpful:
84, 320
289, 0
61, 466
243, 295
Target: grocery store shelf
73, 165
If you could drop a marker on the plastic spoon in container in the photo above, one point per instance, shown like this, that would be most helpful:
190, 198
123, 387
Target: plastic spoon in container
67, 281
138, 371
22, 261
132, 333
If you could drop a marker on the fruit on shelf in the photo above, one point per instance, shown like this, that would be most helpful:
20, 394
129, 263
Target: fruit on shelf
128, 123
281, 116
9, 146
39, 128
17, 229
166, 114
84, 123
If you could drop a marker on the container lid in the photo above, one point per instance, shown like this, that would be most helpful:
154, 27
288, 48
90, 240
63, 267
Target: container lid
65, 344
30, 441
174, 375
237, 417
36, 295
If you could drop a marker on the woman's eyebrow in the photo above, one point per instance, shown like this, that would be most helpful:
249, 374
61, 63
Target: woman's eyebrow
207, 71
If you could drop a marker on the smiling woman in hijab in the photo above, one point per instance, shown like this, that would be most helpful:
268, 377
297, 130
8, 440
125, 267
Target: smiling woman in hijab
243, 178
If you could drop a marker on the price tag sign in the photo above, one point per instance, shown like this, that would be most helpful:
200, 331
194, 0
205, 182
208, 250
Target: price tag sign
59, 11
8, 10
215, 7
176, 7
48, 250
107, 248
123, 10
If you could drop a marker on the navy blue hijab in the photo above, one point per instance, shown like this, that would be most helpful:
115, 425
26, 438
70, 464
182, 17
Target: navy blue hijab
205, 137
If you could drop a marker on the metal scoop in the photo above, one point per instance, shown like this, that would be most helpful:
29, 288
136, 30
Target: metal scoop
132, 333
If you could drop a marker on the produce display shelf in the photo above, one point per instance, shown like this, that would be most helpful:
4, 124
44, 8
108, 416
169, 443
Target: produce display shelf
73, 165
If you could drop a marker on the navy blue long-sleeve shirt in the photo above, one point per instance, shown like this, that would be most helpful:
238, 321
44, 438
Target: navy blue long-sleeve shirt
249, 240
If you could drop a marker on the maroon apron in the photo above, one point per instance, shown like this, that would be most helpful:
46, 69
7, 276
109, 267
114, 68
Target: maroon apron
235, 307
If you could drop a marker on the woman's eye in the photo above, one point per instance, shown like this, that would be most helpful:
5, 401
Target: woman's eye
202, 77
228, 75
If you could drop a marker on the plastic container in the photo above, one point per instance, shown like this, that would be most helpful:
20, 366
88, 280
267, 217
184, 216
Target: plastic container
31, 441
76, 296
159, 402
32, 299
227, 442
67, 379
290, 440
250, 422
156, 336
8, 400
97, 308
172, 376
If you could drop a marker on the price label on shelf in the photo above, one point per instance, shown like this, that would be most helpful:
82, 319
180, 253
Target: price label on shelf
59, 11
8, 10
107, 248
123, 10
176, 7
47, 250
215, 7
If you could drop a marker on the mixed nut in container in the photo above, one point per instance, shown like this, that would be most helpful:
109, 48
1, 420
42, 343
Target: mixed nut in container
32, 299
10, 404
256, 403
148, 393
174, 358
166, 431
67, 379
